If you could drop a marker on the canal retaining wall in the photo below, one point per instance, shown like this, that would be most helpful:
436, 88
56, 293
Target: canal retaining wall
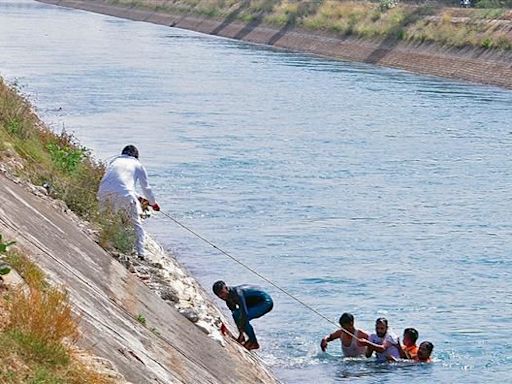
477, 65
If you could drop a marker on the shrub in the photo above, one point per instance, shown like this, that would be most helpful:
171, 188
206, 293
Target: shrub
116, 232
5, 245
30, 272
141, 319
66, 158
42, 315
487, 43
384, 5
35, 341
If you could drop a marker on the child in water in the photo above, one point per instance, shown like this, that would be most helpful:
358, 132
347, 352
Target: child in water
409, 349
424, 352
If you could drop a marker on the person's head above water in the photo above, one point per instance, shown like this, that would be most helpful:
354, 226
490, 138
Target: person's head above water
347, 321
381, 326
130, 150
425, 350
410, 336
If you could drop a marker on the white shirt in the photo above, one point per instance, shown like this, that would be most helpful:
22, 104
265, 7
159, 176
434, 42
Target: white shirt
354, 349
389, 338
121, 176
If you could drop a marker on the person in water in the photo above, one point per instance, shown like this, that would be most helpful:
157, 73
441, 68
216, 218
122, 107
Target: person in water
383, 342
245, 303
424, 352
350, 345
409, 350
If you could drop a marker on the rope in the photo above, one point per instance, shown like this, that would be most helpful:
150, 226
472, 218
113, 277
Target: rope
255, 272
28, 155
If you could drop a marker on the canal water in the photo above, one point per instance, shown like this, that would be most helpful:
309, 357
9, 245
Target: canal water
355, 188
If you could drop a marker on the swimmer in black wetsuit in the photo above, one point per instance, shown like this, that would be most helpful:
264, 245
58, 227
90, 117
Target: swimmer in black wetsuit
246, 303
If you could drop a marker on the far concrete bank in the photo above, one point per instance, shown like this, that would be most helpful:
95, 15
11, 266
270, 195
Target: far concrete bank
477, 65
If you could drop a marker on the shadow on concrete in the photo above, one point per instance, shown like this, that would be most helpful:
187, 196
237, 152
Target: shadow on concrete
277, 36
394, 37
231, 17
305, 8
249, 27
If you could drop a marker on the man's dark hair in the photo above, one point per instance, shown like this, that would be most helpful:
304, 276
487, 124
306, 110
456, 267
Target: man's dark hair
346, 318
382, 320
412, 333
217, 287
130, 150
428, 345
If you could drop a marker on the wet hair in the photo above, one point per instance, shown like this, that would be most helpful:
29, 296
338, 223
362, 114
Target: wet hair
217, 287
346, 318
412, 333
382, 320
130, 150
428, 345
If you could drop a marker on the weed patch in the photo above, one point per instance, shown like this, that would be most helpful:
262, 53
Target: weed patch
141, 319
35, 340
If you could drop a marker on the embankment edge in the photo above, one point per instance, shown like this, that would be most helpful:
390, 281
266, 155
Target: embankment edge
476, 65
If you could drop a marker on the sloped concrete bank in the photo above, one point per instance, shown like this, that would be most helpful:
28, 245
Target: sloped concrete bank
166, 347
470, 64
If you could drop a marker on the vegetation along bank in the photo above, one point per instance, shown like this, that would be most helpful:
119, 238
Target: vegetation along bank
436, 38
75, 305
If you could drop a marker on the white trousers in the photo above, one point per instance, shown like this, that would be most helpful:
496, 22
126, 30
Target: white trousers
131, 206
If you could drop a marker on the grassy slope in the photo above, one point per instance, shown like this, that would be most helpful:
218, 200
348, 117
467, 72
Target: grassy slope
58, 161
46, 157
37, 328
452, 27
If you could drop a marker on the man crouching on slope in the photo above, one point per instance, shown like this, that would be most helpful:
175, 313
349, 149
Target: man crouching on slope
117, 191
245, 303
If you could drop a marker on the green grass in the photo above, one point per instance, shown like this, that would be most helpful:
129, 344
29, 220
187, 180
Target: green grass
60, 162
116, 232
47, 157
141, 319
381, 19
4, 245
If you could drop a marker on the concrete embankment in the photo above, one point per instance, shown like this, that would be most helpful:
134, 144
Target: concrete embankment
112, 301
471, 64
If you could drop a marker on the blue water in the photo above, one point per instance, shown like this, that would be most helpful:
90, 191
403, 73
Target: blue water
355, 188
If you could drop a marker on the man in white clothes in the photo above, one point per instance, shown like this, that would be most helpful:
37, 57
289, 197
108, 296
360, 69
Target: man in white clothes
117, 190
383, 342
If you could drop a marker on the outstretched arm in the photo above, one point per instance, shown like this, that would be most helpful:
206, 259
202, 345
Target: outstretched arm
372, 347
333, 336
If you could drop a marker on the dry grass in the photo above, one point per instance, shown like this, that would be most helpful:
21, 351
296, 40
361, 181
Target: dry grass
42, 314
37, 330
362, 19
365, 18
448, 30
30, 272
37, 326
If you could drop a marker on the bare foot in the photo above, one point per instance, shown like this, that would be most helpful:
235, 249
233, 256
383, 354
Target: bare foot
251, 345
